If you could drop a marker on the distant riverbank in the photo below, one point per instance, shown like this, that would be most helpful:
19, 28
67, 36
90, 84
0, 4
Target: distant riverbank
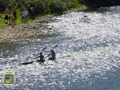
10, 34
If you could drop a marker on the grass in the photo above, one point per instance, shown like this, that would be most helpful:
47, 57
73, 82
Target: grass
19, 15
76, 6
2, 24
18, 21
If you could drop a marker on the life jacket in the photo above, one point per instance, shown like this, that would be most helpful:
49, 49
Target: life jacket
13, 17
41, 57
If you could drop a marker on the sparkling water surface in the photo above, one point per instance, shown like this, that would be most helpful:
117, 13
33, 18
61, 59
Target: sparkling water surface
88, 54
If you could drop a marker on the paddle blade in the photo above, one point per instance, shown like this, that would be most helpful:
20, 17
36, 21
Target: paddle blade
43, 49
55, 46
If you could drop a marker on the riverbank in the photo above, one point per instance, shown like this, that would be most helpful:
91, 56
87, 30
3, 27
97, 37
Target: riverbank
11, 34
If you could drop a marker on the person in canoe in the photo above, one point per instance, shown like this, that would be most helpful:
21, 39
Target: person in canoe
41, 58
52, 55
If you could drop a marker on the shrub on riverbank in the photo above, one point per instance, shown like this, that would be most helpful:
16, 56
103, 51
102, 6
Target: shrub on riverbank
40, 6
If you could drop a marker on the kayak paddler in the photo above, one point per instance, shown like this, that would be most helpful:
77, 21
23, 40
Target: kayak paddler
41, 57
52, 55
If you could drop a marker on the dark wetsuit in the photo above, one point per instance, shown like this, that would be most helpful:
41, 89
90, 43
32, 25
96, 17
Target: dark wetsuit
41, 58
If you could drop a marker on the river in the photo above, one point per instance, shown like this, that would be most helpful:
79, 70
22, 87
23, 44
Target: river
87, 56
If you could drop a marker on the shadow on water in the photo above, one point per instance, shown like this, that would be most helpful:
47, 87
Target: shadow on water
9, 49
101, 9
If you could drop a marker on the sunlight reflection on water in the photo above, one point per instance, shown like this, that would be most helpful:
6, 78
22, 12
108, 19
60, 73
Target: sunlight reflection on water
91, 44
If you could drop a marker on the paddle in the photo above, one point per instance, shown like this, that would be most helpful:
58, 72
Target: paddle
33, 58
64, 56
52, 49
55, 47
43, 49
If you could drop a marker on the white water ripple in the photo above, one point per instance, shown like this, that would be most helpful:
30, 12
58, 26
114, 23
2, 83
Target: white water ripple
90, 47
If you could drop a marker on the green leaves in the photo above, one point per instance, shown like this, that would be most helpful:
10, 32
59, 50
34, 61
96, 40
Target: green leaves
40, 6
56, 6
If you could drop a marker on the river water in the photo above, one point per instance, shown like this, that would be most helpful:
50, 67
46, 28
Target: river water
87, 56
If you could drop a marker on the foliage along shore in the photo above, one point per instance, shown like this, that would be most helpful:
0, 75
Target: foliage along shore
44, 10
41, 7
32, 28
53, 6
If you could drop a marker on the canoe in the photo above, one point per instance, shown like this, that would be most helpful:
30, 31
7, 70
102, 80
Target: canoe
40, 60
25, 63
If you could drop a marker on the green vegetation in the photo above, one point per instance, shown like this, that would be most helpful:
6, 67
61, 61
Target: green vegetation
4, 23
47, 6
40, 7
